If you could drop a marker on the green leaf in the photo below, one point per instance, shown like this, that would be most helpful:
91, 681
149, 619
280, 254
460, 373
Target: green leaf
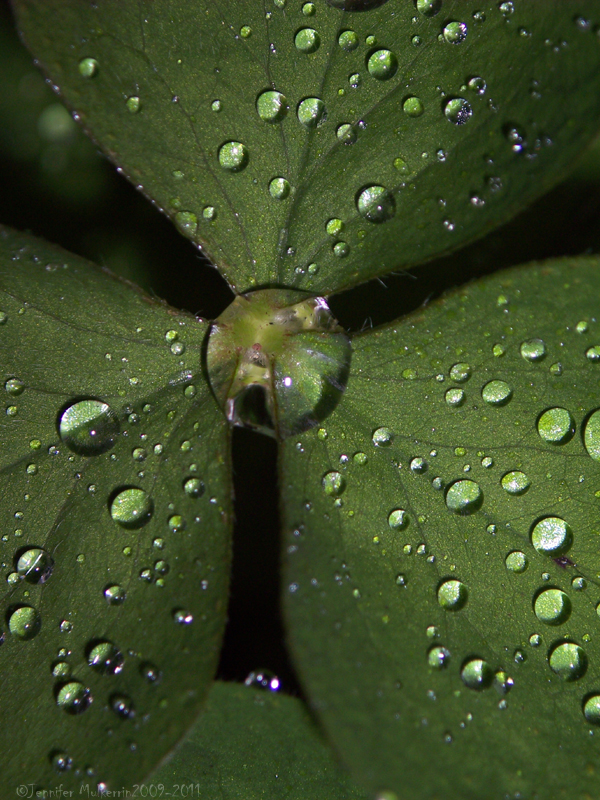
442, 567
251, 744
278, 140
115, 496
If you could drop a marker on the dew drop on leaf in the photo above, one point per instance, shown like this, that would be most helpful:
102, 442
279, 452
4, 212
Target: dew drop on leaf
24, 623
496, 393
348, 40
460, 372
398, 519
556, 426
279, 188
591, 435
476, 674
551, 535
458, 111
88, 427
382, 64
131, 507
568, 660
333, 483
452, 595
233, 156
35, 565
533, 349
307, 40
429, 8
455, 32
73, 697
376, 203
88, 67
115, 595
382, 437
464, 497
413, 106
271, 106
311, 112
438, 657
591, 709
516, 561
515, 482
105, 658
552, 606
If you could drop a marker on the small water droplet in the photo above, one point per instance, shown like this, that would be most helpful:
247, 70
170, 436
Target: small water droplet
591, 435
61, 762
133, 104
150, 672
418, 465
477, 85
348, 41
105, 658
123, 706
533, 350
455, 397
263, 679
464, 497
271, 106
233, 156
115, 595
333, 483
460, 372
552, 607
496, 393
187, 222
131, 507
382, 437
382, 64
551, 535
476, 674
14, 386
376, 204
568, 660
25, 623
88, 67
73, 697
307, 40
35, 565
311, 112
515, 482
279, 188
88, 427
334, 226
516, 561
455, 32
438, 657
593, 353
176, 523
556, 426
452, 595
591, 709
193, 487
413, 106
429, 8
182, 617
458, 111
398, 519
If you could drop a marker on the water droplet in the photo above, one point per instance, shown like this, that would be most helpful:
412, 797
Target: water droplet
464, 497
307, 40
14, 386
398, 519
591, 435
452, 595
176, 523
311, 112
309, 9
279, 188
123, 706
88, 67
88, 427
382, 64
346, 133
133, 104
333, 483
61, 762
115, 595
593, 353
556, 426
457, 110
413, 106
476, 674
233, 156
515, 482
496, 393
429, 8
455, 397
182, 617
209, 212
355, 80
506, 8
382, 437
455, 32
73, 697
216, 106
150, 672
187, 222
438, 657
477, 85
131, 507
35, 565
348, 41
516, 561
568, 661
271, 106
533, 350
460, 372
245, 31
263, 679
105, 658
552, 607
193, 487
376, 203
551, 535
341, 249
24, 623
418, 465
591, 709
334, 226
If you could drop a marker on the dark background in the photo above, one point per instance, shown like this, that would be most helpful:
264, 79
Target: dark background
55, 184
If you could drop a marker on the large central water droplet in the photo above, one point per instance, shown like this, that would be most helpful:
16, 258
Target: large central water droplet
88, 427
278, 362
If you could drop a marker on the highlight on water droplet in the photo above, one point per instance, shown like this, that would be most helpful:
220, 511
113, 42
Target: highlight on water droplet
515, 482
556, 426
476, 674
382, 64
375, 203
271, 106
452, 595
131, 507
552, 606
551, 535
333, 483
89, 427
233, 156
464, 497
457, 110
568, 660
